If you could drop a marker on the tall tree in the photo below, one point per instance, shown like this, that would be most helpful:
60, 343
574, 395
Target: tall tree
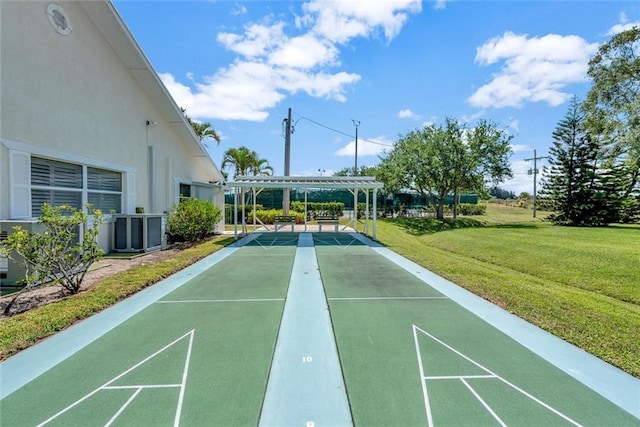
579, 189
262, 167
242, 160
436, 161
613, 102
202, 130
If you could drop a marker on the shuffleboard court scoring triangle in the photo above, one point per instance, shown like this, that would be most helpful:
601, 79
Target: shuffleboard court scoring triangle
165, 366
111, 384
438, 359
426, 342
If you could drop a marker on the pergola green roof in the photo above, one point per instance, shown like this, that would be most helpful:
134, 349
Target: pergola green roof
350, 182
354, 183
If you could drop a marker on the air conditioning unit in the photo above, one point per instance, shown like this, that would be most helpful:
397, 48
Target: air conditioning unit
138, 233
11, 271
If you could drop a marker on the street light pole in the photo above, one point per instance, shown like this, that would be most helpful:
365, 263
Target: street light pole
286, 192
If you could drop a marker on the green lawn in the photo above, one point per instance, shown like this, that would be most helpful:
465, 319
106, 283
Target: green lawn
581, 284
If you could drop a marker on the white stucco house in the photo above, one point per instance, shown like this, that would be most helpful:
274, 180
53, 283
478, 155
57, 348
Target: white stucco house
84, 118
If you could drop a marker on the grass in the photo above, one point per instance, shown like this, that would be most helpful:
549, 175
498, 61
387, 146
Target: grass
26, 329
580, 284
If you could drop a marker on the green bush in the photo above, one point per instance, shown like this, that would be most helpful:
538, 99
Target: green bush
248, 211
192, 219
325, 209
471, 209
267, 216
298, 206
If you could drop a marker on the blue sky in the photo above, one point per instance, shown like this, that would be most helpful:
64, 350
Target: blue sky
392, 65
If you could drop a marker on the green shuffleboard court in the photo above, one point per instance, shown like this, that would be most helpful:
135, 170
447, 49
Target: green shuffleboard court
309, 329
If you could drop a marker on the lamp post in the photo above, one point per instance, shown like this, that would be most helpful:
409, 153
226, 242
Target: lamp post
321, 171
356, 123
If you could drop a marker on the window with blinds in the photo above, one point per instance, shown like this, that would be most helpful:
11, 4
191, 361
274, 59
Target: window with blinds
61, 183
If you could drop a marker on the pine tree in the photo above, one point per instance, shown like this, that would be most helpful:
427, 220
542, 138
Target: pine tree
577, 188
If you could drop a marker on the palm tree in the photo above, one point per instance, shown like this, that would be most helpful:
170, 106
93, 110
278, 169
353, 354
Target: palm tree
202, 130
245, 162
262, 167
241, 160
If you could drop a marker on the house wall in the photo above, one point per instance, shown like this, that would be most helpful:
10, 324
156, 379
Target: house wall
70, 97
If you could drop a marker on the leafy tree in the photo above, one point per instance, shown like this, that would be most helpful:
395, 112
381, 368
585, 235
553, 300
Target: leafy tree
613, 103
577, 187
501, 193
362, 171
202, 130
56, 255
439, 160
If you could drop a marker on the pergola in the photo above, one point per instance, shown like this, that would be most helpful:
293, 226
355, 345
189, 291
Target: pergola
351, 183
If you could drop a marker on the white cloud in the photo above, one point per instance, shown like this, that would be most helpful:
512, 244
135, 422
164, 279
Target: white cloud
521, 181
257, 40
515, 125
239, 9
520, 148
534, 69
365, 148
440, 4
407, 114
306, 52
275, 60
624, 25
340, 21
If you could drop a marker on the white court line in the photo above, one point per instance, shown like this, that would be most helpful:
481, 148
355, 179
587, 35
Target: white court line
425, 394
127, 387
108, 383
123, 407
215, 301
515, 387
382, 298
339, 244
272, 244
485, 404
458, 377
185, 371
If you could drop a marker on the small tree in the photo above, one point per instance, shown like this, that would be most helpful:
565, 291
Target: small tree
192, 219
58, 254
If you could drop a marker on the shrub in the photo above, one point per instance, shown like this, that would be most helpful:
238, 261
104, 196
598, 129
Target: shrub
192, 219
267, 216
325, 209
57, 255
248, 212
471, 209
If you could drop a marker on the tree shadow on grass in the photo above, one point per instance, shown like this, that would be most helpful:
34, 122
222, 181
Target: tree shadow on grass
429, 225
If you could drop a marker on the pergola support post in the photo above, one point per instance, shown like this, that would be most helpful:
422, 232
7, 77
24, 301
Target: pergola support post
375, 211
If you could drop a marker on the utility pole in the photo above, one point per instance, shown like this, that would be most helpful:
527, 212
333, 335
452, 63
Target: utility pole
356, 123
535, 176
286, 192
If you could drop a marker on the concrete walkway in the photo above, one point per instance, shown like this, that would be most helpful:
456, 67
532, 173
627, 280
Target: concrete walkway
305, 385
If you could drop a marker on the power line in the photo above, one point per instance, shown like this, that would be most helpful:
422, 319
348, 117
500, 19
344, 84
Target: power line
337, 131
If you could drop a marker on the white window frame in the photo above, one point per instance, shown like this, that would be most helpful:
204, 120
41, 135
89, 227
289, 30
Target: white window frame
20, 179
